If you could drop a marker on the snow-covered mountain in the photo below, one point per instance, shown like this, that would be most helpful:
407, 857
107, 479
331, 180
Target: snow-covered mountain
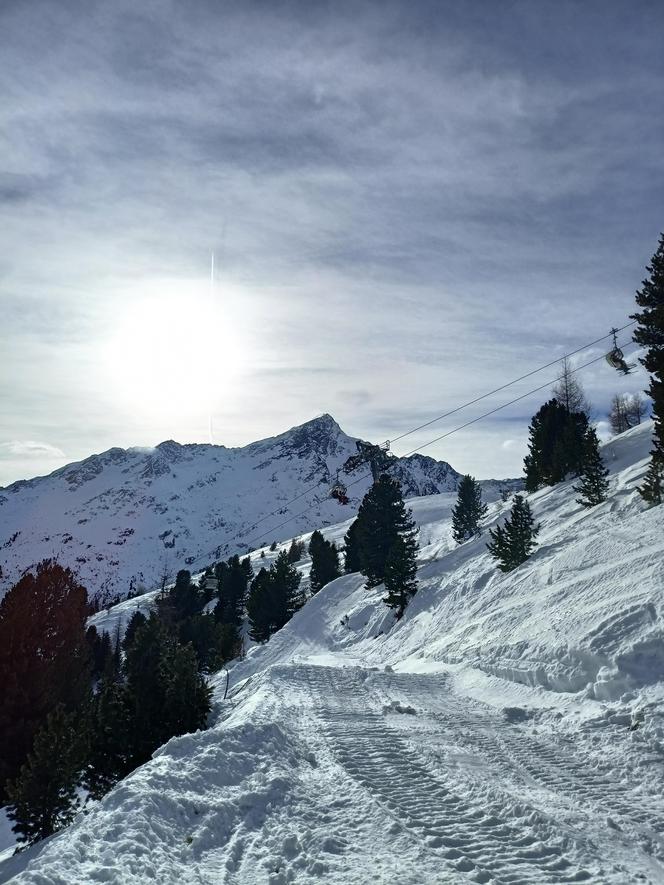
127, 517
510, 728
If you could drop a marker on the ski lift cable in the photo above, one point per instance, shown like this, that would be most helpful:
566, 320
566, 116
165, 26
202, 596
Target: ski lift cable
454, 412
508, 384
457, 429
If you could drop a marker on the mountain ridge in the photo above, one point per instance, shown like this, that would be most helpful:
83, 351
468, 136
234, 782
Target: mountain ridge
127, 518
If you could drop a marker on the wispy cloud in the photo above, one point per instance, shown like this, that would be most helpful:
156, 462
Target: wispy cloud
418, 200
30, 449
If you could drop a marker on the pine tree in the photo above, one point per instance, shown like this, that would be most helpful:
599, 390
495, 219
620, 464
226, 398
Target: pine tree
160, 672
400, 572
214, 643
135, 621
109, 734
650, 333
324, 563
594, 485
286, 588
352, 560
42, 799
184, 596
259, 607
186, 694
556, 445
512, 543
468, 510
382, 518
295, 551
315, 543
44, 658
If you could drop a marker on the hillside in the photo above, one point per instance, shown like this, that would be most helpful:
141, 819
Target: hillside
509, 729
128, 517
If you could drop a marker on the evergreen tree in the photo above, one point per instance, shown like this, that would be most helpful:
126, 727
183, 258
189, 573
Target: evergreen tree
157, 668
468, 510
352, 560
214, 643
286, 588
324, 563
42, 799
184, 597
382, 518
594, 486
295, 551
248, 570
186, 694
135, 621
274, 598
556, 445
650, 333
513, 543
44, 658
232, 593
109, 737
400, 572
259, 607
100, 651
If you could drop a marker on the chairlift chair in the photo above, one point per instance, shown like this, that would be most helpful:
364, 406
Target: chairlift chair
616, 358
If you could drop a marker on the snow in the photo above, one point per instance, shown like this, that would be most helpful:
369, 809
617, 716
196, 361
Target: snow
510, 728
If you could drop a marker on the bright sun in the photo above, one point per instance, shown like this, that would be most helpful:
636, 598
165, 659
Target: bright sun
174, 351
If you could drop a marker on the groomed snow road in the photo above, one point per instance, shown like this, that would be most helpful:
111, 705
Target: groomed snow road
349, 775
416, 784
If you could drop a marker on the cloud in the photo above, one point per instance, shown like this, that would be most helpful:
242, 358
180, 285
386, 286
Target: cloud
416, 201
30, 449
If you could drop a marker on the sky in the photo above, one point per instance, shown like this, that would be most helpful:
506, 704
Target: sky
409, 204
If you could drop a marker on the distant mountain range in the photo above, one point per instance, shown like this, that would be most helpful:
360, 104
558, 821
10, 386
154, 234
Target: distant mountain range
127, 517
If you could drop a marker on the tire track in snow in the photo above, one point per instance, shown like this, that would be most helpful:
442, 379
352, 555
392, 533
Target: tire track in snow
558, 768
468, 837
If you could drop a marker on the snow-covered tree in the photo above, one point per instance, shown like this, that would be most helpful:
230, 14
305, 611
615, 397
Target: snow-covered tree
468, 510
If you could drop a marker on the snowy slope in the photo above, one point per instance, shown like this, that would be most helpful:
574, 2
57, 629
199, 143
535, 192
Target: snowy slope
125, 517
487, 737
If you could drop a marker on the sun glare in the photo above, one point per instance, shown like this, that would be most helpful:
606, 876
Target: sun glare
175, 350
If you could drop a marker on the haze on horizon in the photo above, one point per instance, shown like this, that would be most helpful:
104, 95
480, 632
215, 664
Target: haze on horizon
409, 204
